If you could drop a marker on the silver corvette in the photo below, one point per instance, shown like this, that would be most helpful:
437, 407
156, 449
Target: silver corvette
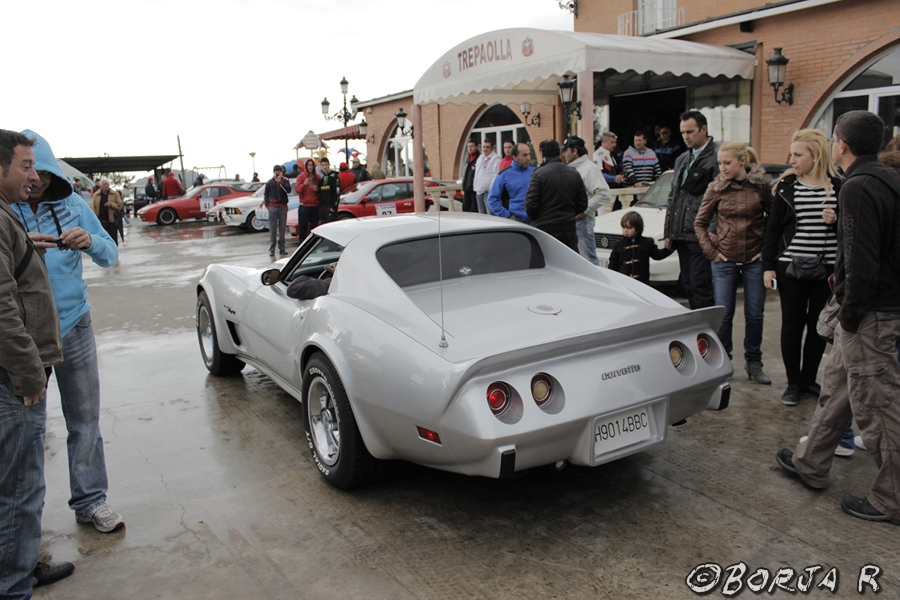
464, 343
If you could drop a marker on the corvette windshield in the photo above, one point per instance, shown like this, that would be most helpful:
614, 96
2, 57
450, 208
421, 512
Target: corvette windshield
414, 262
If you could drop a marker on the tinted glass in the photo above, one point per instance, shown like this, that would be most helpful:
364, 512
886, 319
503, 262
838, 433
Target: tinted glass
415, 262
323, 252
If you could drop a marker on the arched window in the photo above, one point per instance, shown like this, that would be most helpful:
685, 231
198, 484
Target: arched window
875, 88
398, 155
498, 124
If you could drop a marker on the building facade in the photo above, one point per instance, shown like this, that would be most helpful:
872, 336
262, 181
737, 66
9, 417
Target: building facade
843, 55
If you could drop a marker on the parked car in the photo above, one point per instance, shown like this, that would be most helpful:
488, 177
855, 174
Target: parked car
193, 205
262, 212
652, 207
469, 344
379, 197
241, 212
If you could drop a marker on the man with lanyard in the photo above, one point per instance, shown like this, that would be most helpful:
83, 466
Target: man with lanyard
694, 170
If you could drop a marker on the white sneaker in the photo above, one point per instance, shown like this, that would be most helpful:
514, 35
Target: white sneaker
857, 441
839, 451
103, 518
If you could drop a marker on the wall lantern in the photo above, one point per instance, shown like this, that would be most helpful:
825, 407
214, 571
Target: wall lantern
525, 107
401, 123
566, 95
777, 71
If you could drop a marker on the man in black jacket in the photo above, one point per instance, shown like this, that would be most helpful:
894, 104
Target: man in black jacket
694, 170
276, 200
556, 196
329, 192
862, 376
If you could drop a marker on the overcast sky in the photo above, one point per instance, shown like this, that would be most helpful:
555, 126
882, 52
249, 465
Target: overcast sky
124, 77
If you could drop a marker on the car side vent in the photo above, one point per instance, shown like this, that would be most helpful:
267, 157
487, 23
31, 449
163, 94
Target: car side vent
232, 329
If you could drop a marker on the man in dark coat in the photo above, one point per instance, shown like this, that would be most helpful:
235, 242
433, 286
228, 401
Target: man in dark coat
556, 196
694, 170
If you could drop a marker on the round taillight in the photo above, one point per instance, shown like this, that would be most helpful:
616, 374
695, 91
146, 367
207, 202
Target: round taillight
703, 345
498, 397
541, 388
676, 354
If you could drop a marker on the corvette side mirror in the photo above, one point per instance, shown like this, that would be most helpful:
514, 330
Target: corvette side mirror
270, 276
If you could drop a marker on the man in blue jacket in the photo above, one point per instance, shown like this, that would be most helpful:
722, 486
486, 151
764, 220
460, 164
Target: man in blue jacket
74, 224
507, 196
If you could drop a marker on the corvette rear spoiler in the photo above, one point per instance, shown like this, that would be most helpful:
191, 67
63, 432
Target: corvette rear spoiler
700, 319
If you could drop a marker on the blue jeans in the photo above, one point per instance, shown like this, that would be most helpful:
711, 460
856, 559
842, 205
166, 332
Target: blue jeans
79, 390
21, 490
587, 243
277, 223
482, 201
726, 275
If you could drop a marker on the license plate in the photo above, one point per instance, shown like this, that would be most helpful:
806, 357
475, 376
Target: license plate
612, 432
211, 218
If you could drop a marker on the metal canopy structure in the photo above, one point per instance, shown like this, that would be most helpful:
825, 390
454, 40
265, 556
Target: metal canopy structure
351, 132
119, 164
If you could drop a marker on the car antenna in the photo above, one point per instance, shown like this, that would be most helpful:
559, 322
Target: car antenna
443, 343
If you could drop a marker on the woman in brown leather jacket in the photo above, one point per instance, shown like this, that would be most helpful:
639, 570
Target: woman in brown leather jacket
740, 199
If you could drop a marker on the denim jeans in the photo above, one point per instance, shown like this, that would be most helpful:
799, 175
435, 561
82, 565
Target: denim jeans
21, 490
277, 222
726, 275
307, 220
587, 243
482, 201
79, 390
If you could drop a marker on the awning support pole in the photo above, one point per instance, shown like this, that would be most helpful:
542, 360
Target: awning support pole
586, 96
418, 160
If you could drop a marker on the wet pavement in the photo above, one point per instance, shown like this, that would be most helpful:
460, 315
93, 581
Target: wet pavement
221, 498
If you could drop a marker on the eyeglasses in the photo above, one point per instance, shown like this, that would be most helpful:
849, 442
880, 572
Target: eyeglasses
832, 140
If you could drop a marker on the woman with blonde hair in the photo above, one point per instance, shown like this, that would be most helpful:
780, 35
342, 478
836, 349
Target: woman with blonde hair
739, 197
798, 254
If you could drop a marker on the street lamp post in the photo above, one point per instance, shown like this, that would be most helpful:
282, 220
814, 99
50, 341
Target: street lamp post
344, 115
253, 158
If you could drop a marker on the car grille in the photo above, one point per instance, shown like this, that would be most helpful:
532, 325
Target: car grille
606, 240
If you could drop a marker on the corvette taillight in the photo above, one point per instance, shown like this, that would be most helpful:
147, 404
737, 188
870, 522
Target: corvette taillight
498, 397
703, 346
541, 388
676, 354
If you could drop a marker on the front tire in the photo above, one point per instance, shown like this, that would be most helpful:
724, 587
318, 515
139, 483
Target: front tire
166, 216
217, 362
331, 431
253, 224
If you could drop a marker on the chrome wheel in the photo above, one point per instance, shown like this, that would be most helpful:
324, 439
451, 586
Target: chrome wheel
253, 223
205, 332
324, 421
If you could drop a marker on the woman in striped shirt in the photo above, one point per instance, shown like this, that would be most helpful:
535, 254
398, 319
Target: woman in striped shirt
802, 223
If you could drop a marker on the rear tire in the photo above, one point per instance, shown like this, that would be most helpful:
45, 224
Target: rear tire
253, 224
217, 362
331, 431
166, 216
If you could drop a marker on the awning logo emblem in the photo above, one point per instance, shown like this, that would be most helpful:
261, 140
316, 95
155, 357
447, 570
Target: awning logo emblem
527, 47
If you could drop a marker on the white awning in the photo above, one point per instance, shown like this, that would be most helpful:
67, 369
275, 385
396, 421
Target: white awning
524, 65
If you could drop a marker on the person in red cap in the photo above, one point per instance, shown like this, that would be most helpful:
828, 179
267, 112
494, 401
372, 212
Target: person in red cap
347, 178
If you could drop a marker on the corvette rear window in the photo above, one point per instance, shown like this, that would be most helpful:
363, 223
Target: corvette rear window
415, 262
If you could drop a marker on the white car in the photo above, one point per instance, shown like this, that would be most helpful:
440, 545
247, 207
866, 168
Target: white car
466, 343
242, 212
652, 208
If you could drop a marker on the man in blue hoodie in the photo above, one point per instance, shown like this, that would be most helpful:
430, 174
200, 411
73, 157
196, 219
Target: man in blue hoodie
73, 223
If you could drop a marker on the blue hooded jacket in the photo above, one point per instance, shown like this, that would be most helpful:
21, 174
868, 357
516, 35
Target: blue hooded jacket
70, 210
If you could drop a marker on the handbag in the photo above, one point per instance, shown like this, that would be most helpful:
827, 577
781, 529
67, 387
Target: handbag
828, 320
807, 267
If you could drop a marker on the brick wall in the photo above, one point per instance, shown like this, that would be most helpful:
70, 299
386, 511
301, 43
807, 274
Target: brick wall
824, 46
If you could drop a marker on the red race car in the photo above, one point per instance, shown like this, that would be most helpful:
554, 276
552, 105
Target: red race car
192, 205
371, 198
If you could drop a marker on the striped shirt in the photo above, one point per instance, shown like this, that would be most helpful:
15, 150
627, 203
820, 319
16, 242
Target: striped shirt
813, 234
640, 166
